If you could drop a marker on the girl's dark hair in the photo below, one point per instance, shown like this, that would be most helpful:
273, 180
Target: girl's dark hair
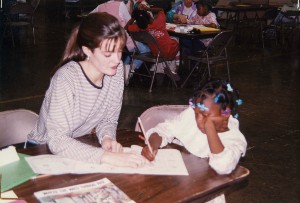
91, 32
225, 95
204, 3
142, 18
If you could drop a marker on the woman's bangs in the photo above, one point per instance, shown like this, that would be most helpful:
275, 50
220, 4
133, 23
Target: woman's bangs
115, 44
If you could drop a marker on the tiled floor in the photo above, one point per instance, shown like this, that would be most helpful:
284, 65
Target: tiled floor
268, 80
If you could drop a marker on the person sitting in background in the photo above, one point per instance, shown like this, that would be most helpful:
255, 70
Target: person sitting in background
118, 9
157, 28
282, 18
204, 17
86, 93
181, 11
140, 4
207, 129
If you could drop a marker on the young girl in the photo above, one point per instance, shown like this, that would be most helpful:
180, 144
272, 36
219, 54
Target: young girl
157, 27
206, 129
181, 11
86, 92
204, 17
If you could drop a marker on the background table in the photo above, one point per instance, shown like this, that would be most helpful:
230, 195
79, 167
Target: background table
201, 184
190, 36
238, 13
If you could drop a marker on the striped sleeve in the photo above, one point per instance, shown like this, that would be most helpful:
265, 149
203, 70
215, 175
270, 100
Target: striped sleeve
59, 123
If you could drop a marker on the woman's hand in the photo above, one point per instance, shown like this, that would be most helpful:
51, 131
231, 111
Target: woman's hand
183, 19
111, 145
180, 19
123, 159
147, 153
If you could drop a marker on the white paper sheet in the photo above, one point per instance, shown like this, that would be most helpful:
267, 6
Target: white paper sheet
8, 155
167, 162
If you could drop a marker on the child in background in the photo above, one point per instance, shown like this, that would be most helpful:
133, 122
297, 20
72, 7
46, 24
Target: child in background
204, 17
206, 129
181, 11
157, 27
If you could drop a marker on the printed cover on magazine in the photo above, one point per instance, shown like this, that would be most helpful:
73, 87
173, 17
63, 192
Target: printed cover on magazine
100, 191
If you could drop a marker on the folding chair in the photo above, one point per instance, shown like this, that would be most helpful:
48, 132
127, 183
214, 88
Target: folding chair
158, 114
289, 25
15, 125
215, 52
146, 38
20, 15
269, 30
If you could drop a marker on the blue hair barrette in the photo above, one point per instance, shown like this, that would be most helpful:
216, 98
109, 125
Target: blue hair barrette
229, 88
216, 99
236, 116
239, 102
202, 107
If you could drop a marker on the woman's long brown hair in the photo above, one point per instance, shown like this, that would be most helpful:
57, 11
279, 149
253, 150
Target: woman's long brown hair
91, 32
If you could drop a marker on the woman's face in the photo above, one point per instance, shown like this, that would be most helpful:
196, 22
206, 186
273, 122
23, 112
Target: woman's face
188, 3
106, 58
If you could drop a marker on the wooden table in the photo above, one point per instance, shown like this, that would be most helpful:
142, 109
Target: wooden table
201, 184
241, 10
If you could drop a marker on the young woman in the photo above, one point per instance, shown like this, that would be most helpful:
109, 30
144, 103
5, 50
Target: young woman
118, 9
86, 92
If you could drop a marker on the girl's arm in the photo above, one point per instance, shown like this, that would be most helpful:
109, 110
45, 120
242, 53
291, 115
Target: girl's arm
211, 20
226, 149
213, 139
213, 25
165, 132
155, 141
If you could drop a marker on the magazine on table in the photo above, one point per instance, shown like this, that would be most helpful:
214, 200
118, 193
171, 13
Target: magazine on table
102, 190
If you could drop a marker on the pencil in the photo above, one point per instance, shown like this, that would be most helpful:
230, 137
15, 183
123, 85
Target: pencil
40, 176
143, 131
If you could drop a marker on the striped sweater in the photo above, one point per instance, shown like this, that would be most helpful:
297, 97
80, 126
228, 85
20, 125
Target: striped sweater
73, 106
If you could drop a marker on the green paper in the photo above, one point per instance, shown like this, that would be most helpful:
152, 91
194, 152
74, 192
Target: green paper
15, 173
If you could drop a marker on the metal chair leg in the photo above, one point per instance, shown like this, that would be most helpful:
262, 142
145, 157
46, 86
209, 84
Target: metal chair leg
153, 76
12, 36
228, 72
172, 78
191, 72
33, 34
227, 64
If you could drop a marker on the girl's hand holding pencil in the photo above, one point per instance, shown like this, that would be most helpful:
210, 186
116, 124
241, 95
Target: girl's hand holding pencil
148, 152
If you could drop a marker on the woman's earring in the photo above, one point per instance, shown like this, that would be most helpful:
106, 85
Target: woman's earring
88, 58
